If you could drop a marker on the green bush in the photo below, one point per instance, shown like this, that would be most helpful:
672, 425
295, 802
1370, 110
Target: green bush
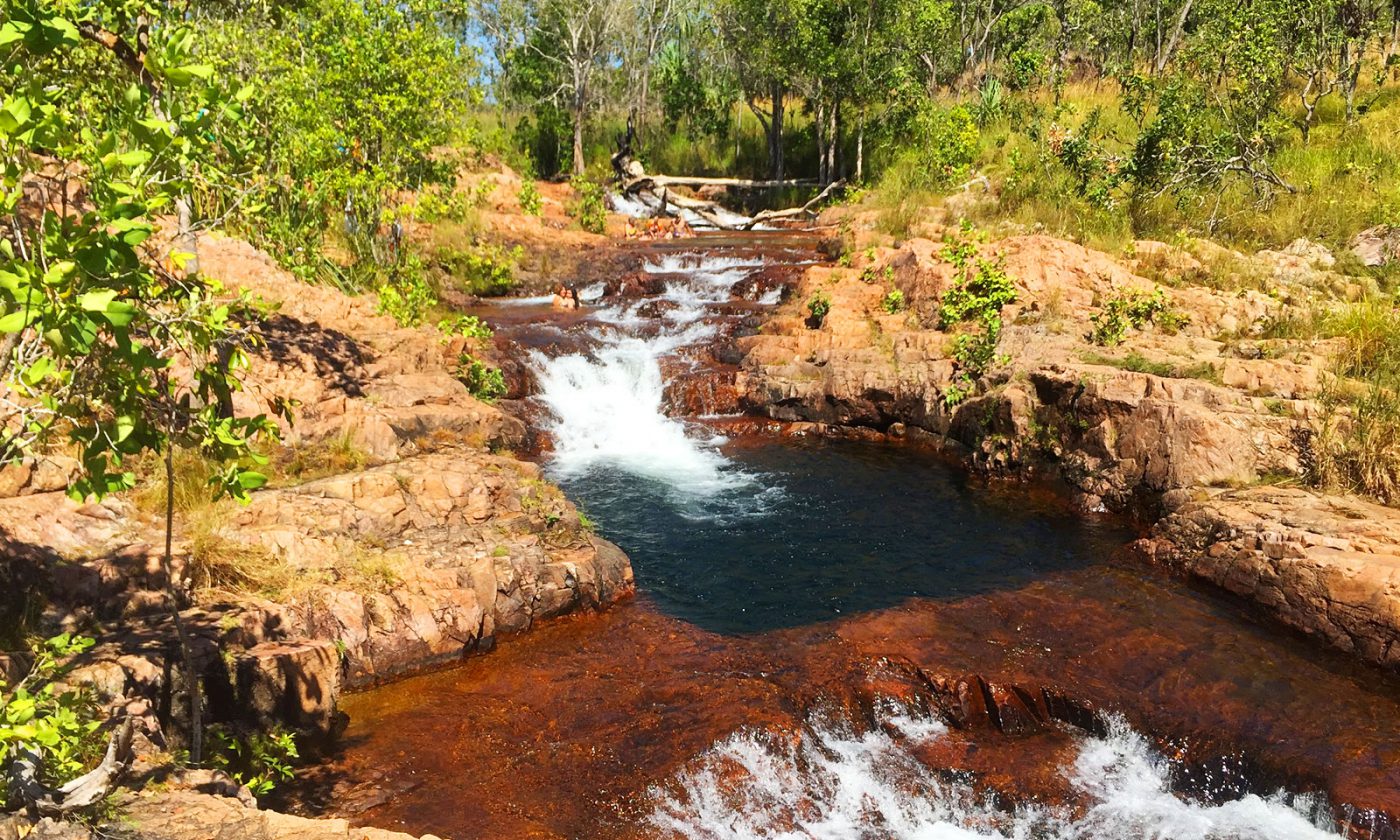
1133, 309
466, 326
982, 287
405, 293
484, 382
944, 142
481, 269
529, 196
61, 724
818, 306
258, 760
893, 301
588, 206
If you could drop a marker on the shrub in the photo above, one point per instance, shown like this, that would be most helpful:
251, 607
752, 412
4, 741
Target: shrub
481, 269
980, 291
529, 196
260, 761
1133, 309
61, 724
466, 326
818, 306
405, 293
893, 301
945, 142
588, 206
486, 383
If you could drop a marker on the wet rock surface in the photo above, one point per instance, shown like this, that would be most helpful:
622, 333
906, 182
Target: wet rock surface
582, 719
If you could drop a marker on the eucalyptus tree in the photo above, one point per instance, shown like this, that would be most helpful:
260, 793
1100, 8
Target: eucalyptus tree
569, 46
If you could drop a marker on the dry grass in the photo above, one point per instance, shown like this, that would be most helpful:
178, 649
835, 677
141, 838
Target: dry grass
369, 570
299, 464
220, 563
1356, 443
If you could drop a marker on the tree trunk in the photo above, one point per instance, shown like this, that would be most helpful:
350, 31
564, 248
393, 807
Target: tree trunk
860, 148
187, 655
1164, 56
775, 133
578, 141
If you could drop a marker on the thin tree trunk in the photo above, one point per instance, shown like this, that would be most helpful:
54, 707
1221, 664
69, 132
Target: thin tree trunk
860, 148
191, 676
578, 136
1166, 53
775, 133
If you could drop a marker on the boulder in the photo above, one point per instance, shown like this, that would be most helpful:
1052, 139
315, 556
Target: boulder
1377, 246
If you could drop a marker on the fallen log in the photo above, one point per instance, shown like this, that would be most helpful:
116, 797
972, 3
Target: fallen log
792, 212
654, 191
650, 181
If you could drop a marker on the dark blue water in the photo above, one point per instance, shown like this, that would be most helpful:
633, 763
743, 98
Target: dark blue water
831, 528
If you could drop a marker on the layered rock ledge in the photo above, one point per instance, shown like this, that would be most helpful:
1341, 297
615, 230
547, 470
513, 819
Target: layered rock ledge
399, 533
1160, 426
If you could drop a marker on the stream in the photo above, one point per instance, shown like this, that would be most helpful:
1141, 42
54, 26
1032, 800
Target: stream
796, 598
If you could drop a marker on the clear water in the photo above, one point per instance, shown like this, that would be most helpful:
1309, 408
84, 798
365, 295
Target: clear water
816, 530
742, 538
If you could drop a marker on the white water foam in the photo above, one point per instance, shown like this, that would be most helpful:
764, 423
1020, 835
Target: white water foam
831, 784
638, 207
607, 406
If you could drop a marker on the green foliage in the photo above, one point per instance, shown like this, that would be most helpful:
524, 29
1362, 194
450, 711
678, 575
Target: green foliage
893, 301
465, 326
588, 206
437, 203
258, 760
943, 143
60, 724
1132, 309
818, 306
980, 289
118, 347
481, 269
529, 197
484, 382
406, 295
356, 101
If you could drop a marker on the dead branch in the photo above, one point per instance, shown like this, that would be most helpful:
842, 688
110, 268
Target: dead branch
86, 790
807, 209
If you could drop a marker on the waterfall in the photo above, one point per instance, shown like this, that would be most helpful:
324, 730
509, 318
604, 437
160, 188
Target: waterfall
606, 407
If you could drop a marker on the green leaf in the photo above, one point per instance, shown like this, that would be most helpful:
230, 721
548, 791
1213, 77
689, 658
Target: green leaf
36, 372
12, 31
119, 313
189, 72
125, 426
18, 320
134, 158
58, 271
97, 301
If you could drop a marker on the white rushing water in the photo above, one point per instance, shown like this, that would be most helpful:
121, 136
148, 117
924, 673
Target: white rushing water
831, 784
607, 406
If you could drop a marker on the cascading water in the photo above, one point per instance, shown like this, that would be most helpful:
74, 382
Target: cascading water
606, 406
832, 784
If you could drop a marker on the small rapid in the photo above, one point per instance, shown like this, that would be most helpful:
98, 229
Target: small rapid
606, 406
830, 783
